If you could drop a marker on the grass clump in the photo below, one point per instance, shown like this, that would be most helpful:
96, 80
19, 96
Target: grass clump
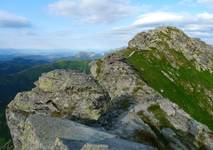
99, 63
160, 115
143, 136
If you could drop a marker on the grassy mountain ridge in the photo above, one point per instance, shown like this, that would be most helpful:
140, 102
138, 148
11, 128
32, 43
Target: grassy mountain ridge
169, 72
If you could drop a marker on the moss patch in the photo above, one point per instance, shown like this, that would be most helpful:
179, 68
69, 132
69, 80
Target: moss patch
160, 115
142, 136
99, 64
162, 143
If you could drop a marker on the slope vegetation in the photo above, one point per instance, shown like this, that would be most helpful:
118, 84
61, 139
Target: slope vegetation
176, 77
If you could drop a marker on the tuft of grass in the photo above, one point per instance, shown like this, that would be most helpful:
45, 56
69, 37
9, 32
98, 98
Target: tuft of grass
162, 141
99, 63
142, 136
160, 115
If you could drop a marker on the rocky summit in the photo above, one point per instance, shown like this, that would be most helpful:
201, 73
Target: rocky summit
155, 94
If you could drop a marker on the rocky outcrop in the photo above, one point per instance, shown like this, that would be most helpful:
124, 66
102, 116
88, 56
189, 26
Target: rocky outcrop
121, 108
60, 93
44, 133
172, 38
116, 77
147, 117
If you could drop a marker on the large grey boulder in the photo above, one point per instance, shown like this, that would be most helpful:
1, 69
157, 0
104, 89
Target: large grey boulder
115, 76
60, 93
47, 133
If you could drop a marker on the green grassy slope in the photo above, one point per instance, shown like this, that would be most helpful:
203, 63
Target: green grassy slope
183, 84
12, 84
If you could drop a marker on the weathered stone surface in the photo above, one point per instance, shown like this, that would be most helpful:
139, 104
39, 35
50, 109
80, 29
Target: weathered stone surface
67, 94
123, 83
116, 77
42, 133
171, 37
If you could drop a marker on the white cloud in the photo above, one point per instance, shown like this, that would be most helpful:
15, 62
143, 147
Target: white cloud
9, 20
197, 3
197, 25
205, 16
178, 19
158, 18
206, 2
93, 11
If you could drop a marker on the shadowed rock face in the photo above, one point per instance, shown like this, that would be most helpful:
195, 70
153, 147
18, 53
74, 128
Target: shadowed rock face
130, 94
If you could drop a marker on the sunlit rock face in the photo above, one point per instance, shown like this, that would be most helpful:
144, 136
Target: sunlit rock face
155, 94
60, 93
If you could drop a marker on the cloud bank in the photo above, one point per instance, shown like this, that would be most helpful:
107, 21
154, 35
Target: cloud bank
197, 25
207, 3
8, 20
93, 11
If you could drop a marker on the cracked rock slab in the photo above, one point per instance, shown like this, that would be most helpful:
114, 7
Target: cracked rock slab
54, 133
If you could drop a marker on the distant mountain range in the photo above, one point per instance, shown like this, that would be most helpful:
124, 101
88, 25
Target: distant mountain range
11, 64
8, 54
18, 73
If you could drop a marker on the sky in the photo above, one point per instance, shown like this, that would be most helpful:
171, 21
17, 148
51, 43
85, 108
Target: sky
97, 24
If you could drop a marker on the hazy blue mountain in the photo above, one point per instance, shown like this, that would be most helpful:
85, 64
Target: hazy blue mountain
51, 55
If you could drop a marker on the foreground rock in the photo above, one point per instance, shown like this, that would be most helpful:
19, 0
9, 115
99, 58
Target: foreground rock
59, 93
44, 133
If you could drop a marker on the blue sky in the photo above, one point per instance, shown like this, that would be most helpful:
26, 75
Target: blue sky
97, 24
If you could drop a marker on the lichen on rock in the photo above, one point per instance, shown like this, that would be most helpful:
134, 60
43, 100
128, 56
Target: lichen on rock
68, 94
